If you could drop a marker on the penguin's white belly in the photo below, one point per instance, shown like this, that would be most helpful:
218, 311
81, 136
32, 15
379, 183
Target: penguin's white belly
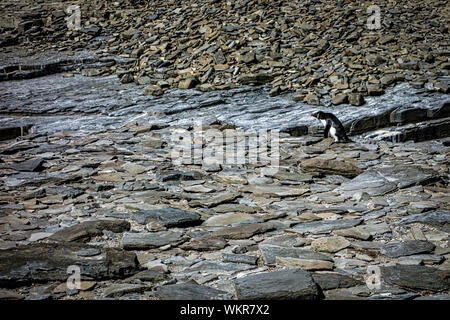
324, 122
333, 133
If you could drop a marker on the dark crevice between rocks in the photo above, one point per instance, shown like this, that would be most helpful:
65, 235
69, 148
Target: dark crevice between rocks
14, 132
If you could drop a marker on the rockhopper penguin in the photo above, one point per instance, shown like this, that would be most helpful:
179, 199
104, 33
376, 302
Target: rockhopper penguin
332, 125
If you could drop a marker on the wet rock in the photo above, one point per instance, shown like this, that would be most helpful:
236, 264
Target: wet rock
186, 291
148, 240
84, 231
407, 248
43, 262
407, 115
280, 285
416, 277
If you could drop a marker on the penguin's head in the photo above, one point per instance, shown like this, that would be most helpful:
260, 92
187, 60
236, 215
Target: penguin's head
318, 115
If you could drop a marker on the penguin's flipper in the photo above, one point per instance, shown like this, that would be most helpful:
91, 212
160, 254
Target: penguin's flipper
327, 129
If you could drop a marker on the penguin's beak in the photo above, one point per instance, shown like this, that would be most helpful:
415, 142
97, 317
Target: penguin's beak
314, 115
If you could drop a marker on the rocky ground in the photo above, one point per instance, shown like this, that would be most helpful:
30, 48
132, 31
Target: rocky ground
321, 50
141, 227
83, 185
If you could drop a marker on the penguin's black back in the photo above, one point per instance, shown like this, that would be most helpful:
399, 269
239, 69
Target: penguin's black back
337, 124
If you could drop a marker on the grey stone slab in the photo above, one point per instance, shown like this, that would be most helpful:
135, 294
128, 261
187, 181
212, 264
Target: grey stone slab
291, 284
324, 225
148, 240
270, 252
406, 248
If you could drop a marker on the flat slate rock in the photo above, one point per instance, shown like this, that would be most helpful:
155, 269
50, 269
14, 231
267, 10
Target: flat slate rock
243, 231
169, 217
148, 240
290, 284
205, 244
218, 267
239, 258
416, 277
30, 165
326, 166
333, 280
275, 191
406, 248
215, 200
384, 180
370, 182
84, 231
437, 218
119, 289
187, 291
324, 225
149, 276
271, 252
177, 175
43, 262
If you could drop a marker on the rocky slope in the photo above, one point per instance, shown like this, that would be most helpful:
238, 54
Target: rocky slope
322, 50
